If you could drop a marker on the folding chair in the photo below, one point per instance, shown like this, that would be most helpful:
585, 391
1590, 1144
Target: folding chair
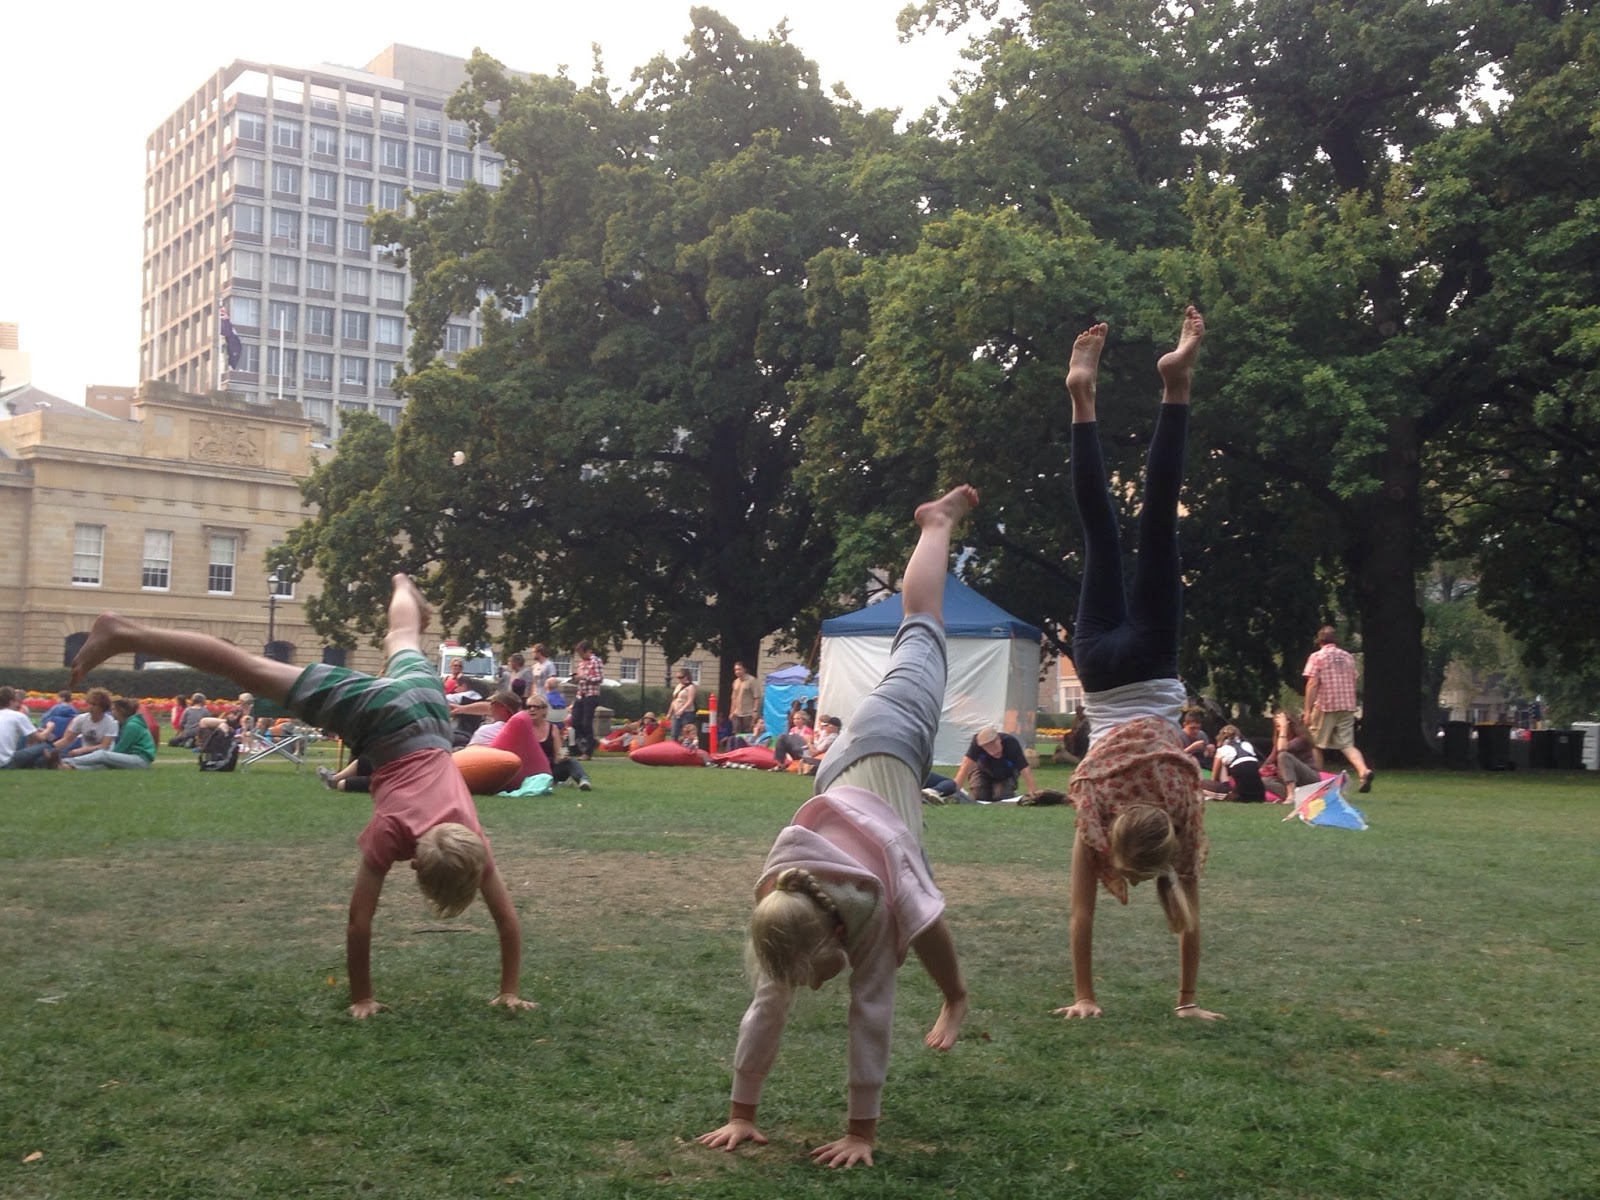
291, 747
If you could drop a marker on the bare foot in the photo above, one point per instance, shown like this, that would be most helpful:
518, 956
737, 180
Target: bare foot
1177, 365
403, 586
1084, 369
946, 1029
948, 508
109, 636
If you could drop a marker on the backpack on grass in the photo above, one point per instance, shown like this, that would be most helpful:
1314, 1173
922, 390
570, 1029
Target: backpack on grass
219, 751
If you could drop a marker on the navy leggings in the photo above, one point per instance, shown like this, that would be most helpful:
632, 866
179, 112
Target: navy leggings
1128, 636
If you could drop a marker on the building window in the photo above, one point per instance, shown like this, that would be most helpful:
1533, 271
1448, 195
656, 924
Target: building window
390, 331
563, 665
286, 226
393, 152
355, 326
357, 191
219, 575
324, 140
460, 165
285, 179
489, 171
392, 196
319, 277
319, 367
288, 357
354, 370
319, 321
319, 231
383, 374
247, 218
285, 270
334, 656
88, 554
357, 282
457, 338
286, 134
244, 310
693, 667
283, 589
426, 157
458, 129
283, 316
425, 122
324, 186
249, 173
358, 148
389, 414
252, 127
357, 236
247, 264
629, 672
391, 286
249, 358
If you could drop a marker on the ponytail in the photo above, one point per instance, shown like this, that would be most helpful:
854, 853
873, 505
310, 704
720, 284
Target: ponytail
1175, 902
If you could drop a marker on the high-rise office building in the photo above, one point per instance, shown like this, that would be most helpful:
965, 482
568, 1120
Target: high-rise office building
257, 193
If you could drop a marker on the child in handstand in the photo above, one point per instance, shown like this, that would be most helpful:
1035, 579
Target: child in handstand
847, 884
1137, 793
422, 811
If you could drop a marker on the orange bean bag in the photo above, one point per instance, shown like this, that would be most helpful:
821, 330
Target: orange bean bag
487, 770
666, 754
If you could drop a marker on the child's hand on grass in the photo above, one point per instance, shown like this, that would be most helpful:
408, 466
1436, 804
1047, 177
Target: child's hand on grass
362, 1009
845, 1152
512, 1000
731, 1134
1079, 1009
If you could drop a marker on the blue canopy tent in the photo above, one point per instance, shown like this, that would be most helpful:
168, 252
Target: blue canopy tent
993, 666
780, 689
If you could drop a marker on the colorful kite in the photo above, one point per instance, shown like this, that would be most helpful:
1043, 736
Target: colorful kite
1324, 804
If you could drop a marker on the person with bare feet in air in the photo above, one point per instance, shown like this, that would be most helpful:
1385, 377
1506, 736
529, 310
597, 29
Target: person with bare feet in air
847, 883
1140, 808
421, 809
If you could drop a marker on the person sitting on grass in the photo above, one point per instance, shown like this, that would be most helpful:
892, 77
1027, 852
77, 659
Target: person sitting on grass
847, 882
92, 730
22, 747
1137, 794
134, 749
550, 738
1235, 769
53, 725
422, 811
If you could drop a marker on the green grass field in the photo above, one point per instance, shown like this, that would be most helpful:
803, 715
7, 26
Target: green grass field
1412, 1010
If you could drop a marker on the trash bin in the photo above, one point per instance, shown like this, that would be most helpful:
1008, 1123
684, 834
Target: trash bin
1458, 745
1542, 748
1566, 749
1589, 746
602, 721
1494, 747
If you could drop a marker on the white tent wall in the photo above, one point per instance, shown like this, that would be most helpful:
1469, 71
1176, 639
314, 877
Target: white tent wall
991, 680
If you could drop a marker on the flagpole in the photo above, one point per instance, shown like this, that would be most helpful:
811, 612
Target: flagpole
283, 327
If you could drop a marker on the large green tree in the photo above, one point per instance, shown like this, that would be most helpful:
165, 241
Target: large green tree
1325, 180
626, 426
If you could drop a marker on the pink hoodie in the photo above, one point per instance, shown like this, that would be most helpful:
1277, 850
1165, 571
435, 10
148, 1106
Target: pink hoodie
847, 836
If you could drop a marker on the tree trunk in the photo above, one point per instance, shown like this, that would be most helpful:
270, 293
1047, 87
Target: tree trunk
737, 646
1388, 542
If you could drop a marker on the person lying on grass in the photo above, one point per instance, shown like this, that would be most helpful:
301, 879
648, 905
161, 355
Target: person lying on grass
421, 809
1137, 793
847, 883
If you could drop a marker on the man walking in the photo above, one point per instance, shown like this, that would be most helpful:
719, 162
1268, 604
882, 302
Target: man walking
1331, 703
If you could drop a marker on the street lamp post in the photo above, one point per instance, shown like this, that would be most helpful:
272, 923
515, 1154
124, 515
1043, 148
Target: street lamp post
272, 609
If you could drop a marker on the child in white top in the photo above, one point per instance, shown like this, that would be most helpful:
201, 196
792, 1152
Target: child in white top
847, 884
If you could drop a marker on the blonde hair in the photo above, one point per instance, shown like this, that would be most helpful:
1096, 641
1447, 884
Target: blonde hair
1143, 841
450, 862
792, 926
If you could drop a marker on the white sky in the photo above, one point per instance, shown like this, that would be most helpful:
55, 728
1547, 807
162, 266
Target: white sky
82, 87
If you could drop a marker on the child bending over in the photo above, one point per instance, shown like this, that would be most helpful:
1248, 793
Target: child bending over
847, 884
1137, 792
421, 810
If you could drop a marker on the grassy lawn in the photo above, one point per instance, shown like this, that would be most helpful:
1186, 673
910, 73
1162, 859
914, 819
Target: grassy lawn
1412, 1009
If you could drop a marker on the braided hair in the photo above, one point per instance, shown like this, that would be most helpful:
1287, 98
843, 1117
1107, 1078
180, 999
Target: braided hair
792, 925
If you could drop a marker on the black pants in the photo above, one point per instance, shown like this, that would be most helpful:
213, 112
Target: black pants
583, 724
1128, 635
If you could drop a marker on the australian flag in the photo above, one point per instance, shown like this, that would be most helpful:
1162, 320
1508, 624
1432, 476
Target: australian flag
231, 339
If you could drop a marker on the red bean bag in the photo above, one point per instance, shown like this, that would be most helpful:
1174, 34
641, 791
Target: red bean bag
759, 757
667, 754
487, 770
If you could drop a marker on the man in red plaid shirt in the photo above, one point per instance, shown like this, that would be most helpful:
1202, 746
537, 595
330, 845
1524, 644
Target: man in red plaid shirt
1331, 703
588, 673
